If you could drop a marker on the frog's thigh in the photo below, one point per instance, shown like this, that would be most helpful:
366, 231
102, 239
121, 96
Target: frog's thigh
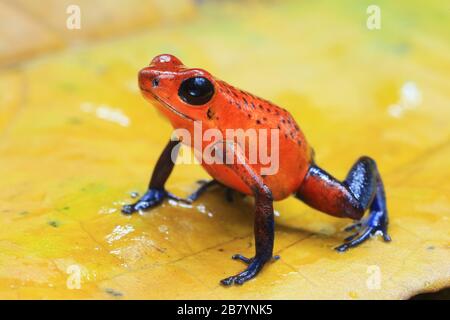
323, 192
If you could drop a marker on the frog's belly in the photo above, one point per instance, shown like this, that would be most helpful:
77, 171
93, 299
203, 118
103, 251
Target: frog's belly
283, 182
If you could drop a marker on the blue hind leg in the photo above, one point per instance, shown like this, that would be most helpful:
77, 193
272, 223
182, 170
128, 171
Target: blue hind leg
377, 221
362, 189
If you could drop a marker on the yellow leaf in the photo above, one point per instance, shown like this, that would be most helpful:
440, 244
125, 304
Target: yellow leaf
76, 138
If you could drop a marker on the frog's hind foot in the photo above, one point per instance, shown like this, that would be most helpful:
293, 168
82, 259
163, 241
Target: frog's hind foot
374, 225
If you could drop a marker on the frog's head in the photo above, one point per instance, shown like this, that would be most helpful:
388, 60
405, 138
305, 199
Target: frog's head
182, 93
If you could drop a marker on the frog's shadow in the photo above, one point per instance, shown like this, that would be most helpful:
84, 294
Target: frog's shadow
240, 210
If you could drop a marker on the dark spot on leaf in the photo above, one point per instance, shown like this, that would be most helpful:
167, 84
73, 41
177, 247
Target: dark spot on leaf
74, 121
113, 292
54, 223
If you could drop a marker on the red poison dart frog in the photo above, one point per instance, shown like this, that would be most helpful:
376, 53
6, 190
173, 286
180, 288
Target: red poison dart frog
186, 96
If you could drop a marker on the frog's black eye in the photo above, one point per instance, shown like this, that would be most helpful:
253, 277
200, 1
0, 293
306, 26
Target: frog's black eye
196, 90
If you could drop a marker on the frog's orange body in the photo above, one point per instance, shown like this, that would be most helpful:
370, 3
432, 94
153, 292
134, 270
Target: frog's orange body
191, 96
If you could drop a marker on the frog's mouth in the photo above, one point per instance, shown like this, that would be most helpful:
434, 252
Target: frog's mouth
163, 103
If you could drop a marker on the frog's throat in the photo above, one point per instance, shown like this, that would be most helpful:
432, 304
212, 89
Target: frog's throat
167, 106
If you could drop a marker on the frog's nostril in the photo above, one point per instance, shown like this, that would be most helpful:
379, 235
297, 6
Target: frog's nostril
155, 82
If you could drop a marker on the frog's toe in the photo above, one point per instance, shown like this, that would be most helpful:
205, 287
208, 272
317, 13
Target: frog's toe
228, 281
354, 226
140, 205
249, 260
242, 258
240, 278
128, 209
178, 199
386, 237
354, 240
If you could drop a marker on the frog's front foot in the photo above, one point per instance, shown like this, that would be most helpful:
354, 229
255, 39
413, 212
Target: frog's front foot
255, 265
375, 224
150, 199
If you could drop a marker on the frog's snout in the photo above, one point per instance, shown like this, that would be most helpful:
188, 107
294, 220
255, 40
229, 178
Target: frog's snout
149, 76
148, 79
